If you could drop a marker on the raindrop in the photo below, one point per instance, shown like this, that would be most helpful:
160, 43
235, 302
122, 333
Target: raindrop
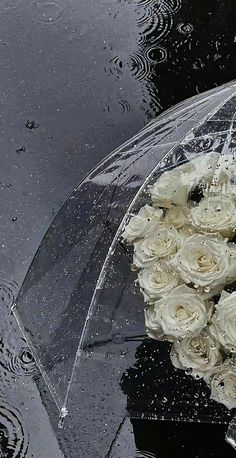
123, 353
185, 29
21, 150
49, 12
188, 371
197, 376
156, 55
31, 125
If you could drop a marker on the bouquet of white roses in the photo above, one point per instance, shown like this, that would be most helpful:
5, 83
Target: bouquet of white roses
185, 258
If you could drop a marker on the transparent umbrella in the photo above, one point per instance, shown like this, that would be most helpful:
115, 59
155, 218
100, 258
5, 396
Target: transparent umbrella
79, 308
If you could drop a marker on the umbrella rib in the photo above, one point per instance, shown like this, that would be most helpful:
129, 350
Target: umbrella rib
103, 270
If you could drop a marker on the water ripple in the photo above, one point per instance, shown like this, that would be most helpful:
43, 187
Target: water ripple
155, 20
14, 440
135, 63
144, 15
8, 292
140, 66
172, 5
156, 55
16, 359
120, 106
144, 2
158, 27
21, 363
185, 29
49, 12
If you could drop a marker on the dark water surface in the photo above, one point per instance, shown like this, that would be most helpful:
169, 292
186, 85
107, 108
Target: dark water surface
77, 78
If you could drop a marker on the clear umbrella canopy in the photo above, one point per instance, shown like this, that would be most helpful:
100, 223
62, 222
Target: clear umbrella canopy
79, 308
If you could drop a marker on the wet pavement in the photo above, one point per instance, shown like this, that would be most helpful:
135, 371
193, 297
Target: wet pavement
76, 80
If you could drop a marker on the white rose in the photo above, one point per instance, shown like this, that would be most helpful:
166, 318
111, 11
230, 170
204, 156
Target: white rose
227, 189
232, 263
153, 327
185, 233
225, 169
215, 215
222, 381
223, 326
142, 224
178, 215
163, 244
181, 313
173, 187
203, 261
200, 169
157, 280
169, 190
200, 353
223, 180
